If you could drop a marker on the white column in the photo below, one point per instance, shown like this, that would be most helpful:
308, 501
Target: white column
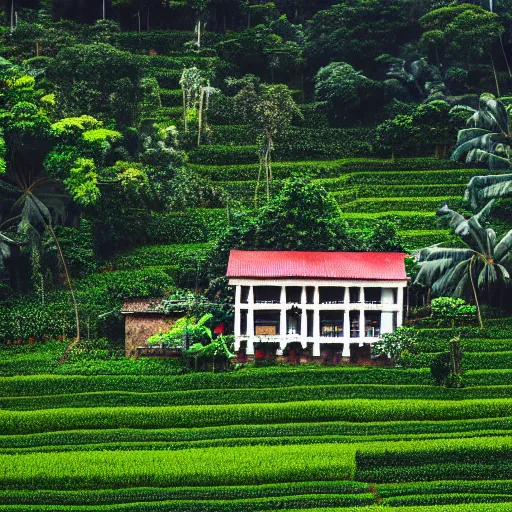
282, 327
346, 350
304, 323
250, 347
387, 296
316, 313
361, 295
303, 296
238, 316
400, 301
346, 298
346, 323
386, 322
316, 349
250, 312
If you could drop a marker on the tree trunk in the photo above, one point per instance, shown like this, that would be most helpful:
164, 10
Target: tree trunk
475, 293
199, 32
495, 78
185, 113
200, 116
104, 9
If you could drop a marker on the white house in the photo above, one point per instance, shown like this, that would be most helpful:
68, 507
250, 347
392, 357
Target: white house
315, 297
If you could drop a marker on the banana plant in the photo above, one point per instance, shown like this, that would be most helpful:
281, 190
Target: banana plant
487, 140
482, 264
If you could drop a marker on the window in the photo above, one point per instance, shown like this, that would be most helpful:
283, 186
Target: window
266, 323
309, 315
243, 322
372, 321
244, 298
331, 324
310, 294
355, 295
267, 294
293, 294
372, 295
354, 324
332, 295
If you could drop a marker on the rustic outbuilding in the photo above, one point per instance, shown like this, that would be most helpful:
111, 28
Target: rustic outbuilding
142, 318
315, 301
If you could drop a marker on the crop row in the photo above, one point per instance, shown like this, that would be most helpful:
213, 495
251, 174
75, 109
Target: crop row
434, 344
356, 410
378, 431
347, 168
145, 494
376, 462
470, 360
257, 378
248, 441
418, 204
445, 487
446, 499
211, 466
249, 395
246, 505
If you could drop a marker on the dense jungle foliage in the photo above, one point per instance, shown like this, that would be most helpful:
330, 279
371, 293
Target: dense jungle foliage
143, 139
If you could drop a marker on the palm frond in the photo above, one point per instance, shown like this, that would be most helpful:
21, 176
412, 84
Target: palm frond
484, 142
497, 110
449, 281
504, 247
488, 276
470, 133
487, 187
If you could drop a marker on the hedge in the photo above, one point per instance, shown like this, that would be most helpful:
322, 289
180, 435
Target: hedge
442, 471
417, 239
232, 396
245, 441
214, 466
181, 255
341, 431
171, 98
444, 499
445, 487
255, 378
343, 167
399, 190
377, 204
403, 220
141, 494
162, 41
225, 155
242, 396
355, 410
197, 225
167, 78
495, 377
250, 505
467, 345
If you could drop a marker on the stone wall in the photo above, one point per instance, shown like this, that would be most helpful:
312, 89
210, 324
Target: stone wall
139, 327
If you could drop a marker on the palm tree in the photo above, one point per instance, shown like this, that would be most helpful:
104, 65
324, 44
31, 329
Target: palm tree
488, 140
34, 214
481, 264
489, 137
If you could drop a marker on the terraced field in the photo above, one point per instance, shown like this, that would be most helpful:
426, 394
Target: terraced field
306, 437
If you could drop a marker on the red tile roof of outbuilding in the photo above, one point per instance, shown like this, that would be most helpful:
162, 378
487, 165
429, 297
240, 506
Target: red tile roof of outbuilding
385, 266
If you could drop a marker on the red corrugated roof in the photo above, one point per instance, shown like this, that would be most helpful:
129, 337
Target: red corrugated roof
388, 266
